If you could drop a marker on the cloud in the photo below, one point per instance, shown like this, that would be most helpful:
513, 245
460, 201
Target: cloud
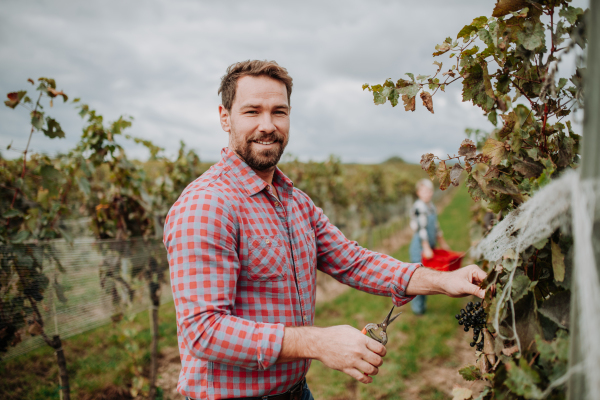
161, 62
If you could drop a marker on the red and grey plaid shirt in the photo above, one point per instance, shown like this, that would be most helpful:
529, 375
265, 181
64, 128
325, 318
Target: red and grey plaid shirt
243, 266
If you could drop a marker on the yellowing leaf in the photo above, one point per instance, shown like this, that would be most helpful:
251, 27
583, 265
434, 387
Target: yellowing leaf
409, 102
461, 393
504, 7
558, 262
495, 150
443, 174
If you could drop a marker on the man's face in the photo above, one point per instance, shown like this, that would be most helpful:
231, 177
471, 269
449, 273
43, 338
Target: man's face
258, 122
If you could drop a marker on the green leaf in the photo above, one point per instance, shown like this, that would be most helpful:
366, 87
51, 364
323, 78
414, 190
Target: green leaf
485, 37
470, 51
521, 285
558, 262
479, 22
474, 189
422, 77
410, 90
50, 176
20, 237
523, 380
53, 129
465, 32
493, 117
541, 244
411, 76
12, 213
470, 373
84, 185
532, 37
37, 120
570, 13
66, 235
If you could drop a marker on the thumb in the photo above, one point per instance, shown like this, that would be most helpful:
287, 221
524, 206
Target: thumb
475, 290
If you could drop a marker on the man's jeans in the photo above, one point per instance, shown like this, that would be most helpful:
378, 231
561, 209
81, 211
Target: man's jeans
306, 394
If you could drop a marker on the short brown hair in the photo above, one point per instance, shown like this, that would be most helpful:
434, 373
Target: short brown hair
235, 71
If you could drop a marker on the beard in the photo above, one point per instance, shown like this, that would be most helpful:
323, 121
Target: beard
259, 160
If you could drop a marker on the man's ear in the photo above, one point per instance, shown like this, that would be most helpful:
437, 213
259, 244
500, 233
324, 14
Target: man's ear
224, 118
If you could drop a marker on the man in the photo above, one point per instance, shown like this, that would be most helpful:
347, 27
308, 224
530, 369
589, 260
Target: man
244, 246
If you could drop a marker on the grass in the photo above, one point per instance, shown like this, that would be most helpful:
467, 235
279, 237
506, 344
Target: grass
101, 360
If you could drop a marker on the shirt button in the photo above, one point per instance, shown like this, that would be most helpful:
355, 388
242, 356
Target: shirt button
277, 204
268, 241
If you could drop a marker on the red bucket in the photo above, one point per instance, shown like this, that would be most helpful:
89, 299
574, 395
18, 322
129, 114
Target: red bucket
444, 260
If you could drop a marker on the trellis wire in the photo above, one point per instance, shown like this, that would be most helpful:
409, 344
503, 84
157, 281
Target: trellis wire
86, 264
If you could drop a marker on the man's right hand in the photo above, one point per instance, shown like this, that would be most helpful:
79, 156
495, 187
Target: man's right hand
342, 348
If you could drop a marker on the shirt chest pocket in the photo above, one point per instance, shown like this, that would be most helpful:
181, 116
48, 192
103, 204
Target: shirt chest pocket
266, 258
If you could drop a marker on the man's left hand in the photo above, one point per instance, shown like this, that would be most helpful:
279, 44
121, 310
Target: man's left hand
464, 282
460, 283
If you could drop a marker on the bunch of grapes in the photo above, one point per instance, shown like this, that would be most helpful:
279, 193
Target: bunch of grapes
473, 316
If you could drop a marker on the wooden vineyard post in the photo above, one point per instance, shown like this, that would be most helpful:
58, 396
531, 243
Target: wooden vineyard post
590, 169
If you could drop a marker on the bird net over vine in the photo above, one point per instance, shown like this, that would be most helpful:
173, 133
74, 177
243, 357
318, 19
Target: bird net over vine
79, 286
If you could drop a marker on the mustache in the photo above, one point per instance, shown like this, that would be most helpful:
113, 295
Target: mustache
271, 137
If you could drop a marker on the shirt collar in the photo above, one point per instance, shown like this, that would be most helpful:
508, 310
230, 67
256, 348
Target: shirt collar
246, 176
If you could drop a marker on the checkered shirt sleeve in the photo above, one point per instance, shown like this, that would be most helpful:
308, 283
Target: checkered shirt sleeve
204, 271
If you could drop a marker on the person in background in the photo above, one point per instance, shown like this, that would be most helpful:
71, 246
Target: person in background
427, 234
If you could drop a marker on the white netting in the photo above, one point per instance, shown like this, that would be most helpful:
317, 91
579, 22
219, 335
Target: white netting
571, 205
96, 281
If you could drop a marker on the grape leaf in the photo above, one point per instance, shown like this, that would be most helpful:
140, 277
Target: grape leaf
428, 164
523, 379
427, 101
14, 98
53, 129
557, 307
461, 393
570, 13
494, 149
443, 175
409, 102
465, 32
504, 7
558, 262
455, 173
470, 373
474, 189
467, 149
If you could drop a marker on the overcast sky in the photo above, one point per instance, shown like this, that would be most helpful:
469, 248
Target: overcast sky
161, 62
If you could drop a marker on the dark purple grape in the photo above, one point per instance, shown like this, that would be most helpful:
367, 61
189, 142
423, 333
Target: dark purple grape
472, 344
466, 329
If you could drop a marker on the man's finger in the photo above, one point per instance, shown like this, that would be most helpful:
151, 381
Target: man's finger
358, 375
372, 358
366, 367
376, 347
477, 273
476, 290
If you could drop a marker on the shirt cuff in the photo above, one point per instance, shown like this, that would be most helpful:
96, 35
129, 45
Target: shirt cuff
402, 276
269, 341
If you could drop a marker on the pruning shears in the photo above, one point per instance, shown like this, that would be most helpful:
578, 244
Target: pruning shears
378, 331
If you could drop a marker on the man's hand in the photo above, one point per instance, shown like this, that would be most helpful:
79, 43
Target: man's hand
460, 283
342, 348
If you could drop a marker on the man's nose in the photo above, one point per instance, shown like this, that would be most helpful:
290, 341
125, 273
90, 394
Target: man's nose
266, 123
